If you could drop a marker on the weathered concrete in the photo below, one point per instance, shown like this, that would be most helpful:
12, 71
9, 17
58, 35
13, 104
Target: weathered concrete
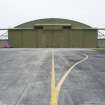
25, 77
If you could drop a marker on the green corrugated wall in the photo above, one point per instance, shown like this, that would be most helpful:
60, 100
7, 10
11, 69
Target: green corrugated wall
53, 38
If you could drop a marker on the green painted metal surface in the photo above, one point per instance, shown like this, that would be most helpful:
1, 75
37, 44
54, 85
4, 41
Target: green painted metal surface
53, 39
53, 36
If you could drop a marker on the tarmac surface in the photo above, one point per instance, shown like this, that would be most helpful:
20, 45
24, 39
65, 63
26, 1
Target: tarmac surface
25, 76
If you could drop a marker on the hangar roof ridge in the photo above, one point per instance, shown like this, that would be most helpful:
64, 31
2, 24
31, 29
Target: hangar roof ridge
47, 21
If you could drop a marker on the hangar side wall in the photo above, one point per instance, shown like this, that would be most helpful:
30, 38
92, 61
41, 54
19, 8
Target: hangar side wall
3, 43
101, 43
53, 38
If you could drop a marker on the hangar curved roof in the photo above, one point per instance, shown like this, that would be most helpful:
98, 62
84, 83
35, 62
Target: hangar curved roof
53, 21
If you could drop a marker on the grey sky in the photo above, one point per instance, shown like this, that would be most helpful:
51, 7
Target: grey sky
14, 12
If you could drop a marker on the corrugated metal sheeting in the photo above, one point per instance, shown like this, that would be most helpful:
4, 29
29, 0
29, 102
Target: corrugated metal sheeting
4, 43
53, 33
101, 43
65, 38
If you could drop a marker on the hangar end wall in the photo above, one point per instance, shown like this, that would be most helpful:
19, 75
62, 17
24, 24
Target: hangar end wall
67, 38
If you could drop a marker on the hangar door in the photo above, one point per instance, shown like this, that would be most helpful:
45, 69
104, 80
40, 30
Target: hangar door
64, 38
53, 39
39, 38
57, 38
52, 36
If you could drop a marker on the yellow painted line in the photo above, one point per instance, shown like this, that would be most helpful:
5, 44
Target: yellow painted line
58, 87
55, 90
53, 83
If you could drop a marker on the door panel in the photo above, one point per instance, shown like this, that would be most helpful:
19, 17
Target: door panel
15, 38
76, 38
28, 38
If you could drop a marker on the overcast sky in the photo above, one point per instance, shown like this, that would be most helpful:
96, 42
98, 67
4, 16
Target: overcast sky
15, 12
